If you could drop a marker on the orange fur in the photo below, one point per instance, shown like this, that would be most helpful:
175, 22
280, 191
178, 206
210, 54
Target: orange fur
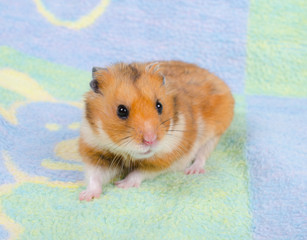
189, 90
91, 155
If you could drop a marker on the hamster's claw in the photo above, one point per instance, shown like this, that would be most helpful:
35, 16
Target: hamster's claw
133, 179
89, 195
194, 169
128, 183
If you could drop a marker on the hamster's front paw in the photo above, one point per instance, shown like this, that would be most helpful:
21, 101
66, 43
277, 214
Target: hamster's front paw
197, 166
127, 183
89, 194
133, 179
194, 169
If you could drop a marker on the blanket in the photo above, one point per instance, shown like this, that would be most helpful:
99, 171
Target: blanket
255, 185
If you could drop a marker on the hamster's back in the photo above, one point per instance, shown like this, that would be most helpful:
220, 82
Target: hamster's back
203, 92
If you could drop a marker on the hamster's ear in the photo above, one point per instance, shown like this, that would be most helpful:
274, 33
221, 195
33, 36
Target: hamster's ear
155, 68
152, 67
163, 78
97, 74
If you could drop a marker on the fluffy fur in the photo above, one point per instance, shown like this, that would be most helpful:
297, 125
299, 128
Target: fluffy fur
197, 109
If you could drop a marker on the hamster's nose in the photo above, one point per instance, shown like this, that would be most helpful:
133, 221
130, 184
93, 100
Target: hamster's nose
149, 139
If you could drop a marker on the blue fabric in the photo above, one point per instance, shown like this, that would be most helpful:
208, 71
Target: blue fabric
255, 181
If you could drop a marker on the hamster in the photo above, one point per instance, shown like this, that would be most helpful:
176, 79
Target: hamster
149, 118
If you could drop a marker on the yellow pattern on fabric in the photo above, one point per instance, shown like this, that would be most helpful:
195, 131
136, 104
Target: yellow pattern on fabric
52, 126
13, 228
82, 22
68, 150
50, 164
24, 85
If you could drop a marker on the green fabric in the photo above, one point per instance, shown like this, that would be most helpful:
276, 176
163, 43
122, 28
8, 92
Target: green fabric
276, 48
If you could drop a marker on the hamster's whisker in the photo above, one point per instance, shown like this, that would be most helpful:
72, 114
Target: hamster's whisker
166, 121
117, 156
119, 145
129, 161
125, 138
178, 130
171, 118
173, 125
108, 144
114, 160
174, 135
115, 148
125, 144
118, 160
178, 137
129, 127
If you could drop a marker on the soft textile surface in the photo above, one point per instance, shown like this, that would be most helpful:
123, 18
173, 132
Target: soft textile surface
255, 181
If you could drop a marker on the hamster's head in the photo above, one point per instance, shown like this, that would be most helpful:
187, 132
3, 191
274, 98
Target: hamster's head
130, 109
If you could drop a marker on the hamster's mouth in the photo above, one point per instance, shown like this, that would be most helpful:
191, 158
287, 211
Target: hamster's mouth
142, 155
147, 152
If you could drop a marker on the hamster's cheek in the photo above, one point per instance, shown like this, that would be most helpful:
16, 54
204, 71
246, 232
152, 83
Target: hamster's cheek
172, 138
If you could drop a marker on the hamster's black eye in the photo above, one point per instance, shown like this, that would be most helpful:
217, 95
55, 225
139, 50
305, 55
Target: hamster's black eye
122, 112
159, 107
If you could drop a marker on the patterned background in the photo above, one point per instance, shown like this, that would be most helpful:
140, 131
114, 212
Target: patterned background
255, 186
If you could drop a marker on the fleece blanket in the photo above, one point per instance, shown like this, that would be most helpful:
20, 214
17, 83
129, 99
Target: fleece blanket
255, 185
